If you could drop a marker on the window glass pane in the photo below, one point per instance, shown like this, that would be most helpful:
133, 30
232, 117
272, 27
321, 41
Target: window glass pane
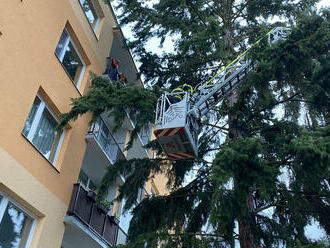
31, 116
91, 185
103, 140
72, 62
83, 178
103, 134
69, 57
90, 11
46, 137
104, 130
14, 227
62, 43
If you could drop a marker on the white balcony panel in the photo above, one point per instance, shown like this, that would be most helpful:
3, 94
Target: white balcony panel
120, 137
95, 160
137, 150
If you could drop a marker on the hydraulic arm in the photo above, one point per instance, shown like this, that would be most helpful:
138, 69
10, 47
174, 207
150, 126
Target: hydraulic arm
228, 79
177, 126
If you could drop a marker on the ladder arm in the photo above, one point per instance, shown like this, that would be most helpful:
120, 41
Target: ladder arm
215, 90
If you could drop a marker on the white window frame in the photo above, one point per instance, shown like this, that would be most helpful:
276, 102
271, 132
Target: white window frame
61, 56
98, 18
34, 126
3, 205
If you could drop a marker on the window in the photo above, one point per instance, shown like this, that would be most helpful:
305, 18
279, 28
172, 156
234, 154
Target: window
145, 134
70, 58
39, 129
16, 225
106, 140
91, 12
84, 180
103, 134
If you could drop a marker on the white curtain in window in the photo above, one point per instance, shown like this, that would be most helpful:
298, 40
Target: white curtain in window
45, 134
30, 118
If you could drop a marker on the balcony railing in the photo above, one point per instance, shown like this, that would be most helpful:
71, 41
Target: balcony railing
145, 133
94, 216
107, 142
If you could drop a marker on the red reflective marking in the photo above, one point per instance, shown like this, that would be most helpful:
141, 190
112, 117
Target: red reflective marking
179, 131
189, 154
171, 157
181, 155
158, 132
168, 131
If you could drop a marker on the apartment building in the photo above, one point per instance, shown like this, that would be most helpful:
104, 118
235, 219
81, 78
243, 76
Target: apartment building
47, 176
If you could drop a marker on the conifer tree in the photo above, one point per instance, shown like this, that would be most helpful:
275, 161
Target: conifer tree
271, 176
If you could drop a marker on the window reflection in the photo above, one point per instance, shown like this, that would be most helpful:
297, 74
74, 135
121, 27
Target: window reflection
40, 129
90, 11
72, 62
15, 226
67, 53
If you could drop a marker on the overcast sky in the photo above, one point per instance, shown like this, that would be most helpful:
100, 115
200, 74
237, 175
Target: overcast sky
312, 231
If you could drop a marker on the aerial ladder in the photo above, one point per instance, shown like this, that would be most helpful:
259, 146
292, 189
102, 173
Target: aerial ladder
177, 124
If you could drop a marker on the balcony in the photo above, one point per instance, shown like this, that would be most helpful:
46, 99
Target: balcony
104, 142
122, 237
144, 134
113, 73
87, 218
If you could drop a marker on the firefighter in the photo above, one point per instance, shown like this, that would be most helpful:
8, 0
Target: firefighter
188, 88
177, 97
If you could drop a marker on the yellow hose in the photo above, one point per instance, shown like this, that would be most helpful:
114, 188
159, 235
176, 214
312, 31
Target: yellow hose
239, 56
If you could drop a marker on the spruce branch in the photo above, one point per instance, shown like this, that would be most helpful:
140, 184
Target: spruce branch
218, 127
239, 11
275, 204
115, 100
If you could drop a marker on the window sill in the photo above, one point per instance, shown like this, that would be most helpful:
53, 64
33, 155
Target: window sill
52, 165
74, 84
94, 31
95, 35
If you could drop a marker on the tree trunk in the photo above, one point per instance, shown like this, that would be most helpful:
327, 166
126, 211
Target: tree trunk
246, 238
